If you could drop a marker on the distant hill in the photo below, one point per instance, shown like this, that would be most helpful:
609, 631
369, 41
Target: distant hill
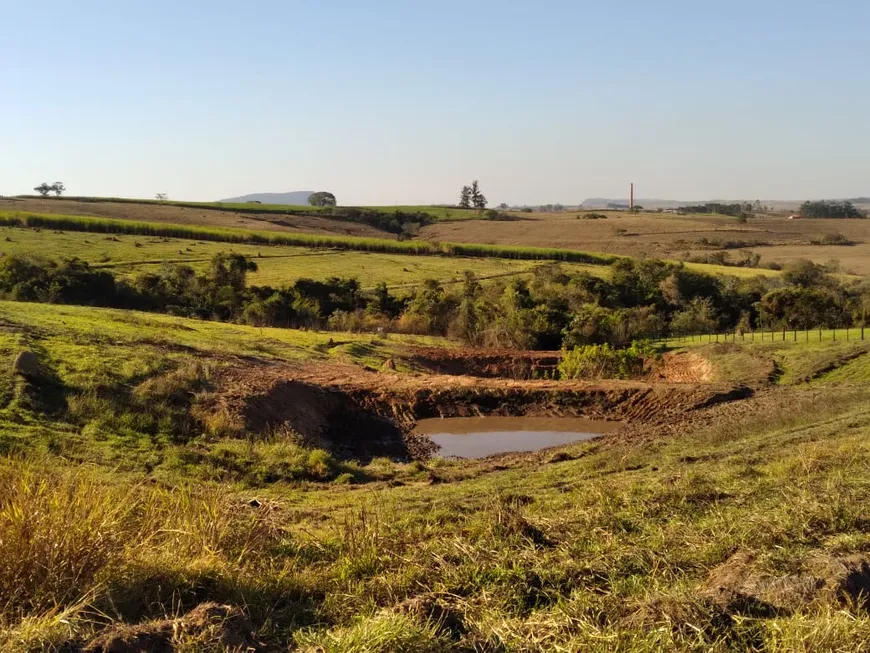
296, 197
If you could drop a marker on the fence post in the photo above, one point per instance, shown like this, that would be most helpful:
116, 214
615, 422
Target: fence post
808, 335
834, 330
783, 334
820, 334
862, 332
795, 335
847, 334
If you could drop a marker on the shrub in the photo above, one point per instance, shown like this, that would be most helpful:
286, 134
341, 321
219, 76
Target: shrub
599, 361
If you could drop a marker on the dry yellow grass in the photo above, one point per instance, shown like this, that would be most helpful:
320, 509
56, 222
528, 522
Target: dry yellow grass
670, 236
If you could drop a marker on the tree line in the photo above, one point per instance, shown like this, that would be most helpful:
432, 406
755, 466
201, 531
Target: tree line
552, 309
831, 209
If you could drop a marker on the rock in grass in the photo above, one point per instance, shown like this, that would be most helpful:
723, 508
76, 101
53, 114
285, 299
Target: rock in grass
27, 364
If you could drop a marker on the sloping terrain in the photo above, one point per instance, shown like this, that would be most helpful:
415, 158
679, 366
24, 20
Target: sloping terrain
199, 215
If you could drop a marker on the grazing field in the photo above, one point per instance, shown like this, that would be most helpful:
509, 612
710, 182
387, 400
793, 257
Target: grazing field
131, 508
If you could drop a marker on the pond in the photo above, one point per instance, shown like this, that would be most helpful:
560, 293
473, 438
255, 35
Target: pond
476, 437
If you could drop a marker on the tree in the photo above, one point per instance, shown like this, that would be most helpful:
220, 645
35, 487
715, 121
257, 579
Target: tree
465, 197
161, 197
477, 198
43, 189
322, 198
637, 208
503, 206
57, 188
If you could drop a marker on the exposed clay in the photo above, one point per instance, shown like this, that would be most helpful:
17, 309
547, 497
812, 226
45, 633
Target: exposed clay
359, 414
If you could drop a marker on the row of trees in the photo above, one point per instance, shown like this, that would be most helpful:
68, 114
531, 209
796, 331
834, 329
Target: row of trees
830, 209
45, 188
553, 309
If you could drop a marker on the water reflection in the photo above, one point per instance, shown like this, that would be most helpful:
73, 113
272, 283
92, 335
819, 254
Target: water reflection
475, 437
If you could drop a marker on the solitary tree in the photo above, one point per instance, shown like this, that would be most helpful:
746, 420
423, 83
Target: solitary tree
465, 197
503, 206
161, 197
322, 198
43, 189
57, 188
477, 198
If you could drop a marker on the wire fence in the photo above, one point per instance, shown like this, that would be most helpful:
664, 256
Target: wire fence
772, 335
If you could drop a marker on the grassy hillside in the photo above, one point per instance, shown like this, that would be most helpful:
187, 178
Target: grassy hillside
743, 530
820, 357
277, 265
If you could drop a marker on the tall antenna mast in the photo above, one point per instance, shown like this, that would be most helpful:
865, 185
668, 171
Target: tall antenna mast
631, 197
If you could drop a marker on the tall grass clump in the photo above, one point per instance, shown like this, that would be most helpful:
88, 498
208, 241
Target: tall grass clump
58, 533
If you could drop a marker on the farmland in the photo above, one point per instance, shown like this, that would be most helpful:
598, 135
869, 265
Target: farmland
775, 238
702, 524
678, 237
129, 247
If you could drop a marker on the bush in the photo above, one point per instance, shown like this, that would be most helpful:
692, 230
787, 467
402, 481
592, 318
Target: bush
600, 361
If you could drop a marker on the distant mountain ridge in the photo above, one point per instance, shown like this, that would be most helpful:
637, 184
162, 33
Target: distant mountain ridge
296, 197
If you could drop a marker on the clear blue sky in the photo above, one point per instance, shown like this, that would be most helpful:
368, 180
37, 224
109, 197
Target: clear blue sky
403, 102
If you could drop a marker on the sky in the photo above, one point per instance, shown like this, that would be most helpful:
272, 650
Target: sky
395, 102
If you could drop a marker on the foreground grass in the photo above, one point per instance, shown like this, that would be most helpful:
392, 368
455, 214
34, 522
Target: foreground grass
610, 550
742, 535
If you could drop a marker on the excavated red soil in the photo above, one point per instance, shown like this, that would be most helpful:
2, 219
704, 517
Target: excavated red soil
359, 414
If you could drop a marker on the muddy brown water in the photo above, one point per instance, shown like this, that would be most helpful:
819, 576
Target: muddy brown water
476, 437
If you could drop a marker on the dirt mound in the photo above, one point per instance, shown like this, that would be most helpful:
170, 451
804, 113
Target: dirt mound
496, 363
208, 625
27, 365
739, 586
682, 367
430, 608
